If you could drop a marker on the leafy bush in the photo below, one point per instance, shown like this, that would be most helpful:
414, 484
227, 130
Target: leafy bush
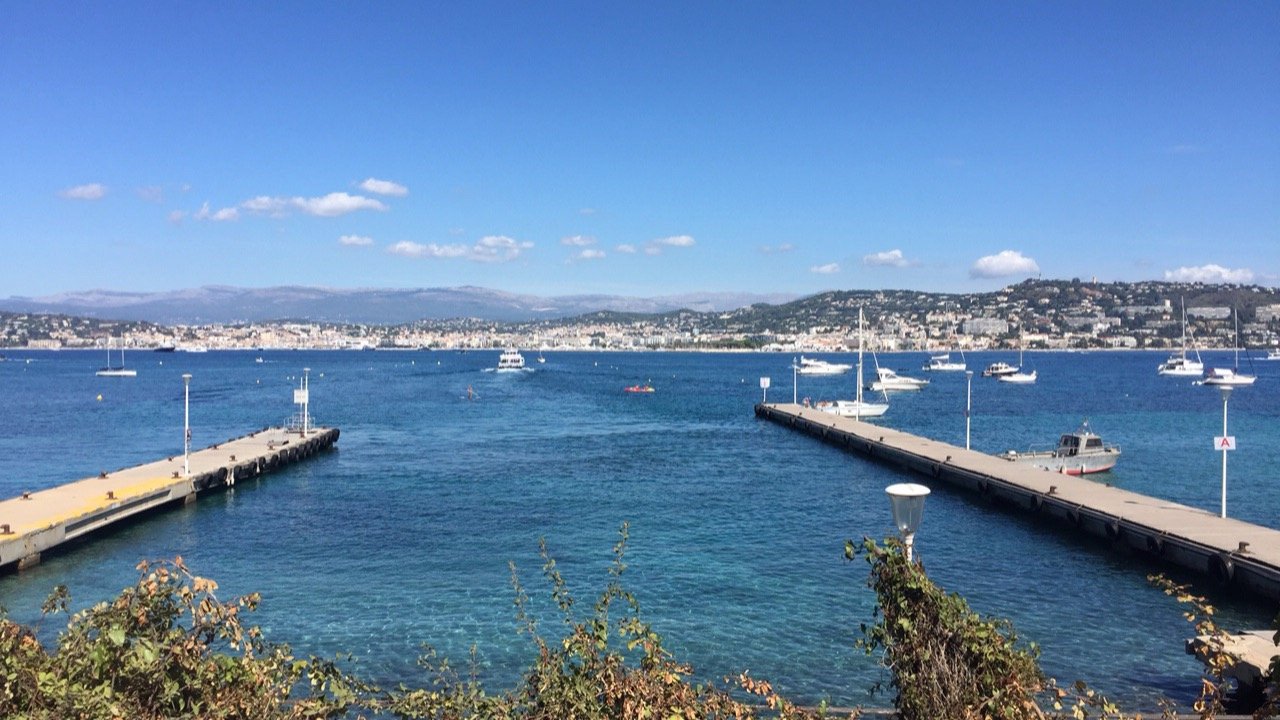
947, 662
164, 648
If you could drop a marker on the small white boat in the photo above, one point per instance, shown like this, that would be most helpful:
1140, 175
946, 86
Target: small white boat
810, 366
1230, 376
887, 379
1273, 354
1180, 365
1018, 378
193, 348
996, 369
110, 371
541, 360
1227, 376
856, 408
942, 363
1079, 453
510, 361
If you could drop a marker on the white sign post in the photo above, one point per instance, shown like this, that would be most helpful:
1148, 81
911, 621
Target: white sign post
764, 387
1224, 443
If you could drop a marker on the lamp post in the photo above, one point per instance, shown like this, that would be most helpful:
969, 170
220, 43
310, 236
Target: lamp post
795, 374
968, 404
186, 424
907, 502
306, 399
1226, 444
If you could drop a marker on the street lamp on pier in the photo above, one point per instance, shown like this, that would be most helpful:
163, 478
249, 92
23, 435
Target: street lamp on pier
968, 404
186, 424
907, 502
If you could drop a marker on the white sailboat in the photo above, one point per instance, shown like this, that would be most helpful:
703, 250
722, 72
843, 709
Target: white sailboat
887, 379
1230, 376
1180, 365
856, 408
1019, 377
121, 371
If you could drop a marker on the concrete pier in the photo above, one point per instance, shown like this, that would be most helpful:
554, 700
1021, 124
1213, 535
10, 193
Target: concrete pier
37, 522
1241, 555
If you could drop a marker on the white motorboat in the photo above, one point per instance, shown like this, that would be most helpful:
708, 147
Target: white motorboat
887, 379
810, 366
510, 361
1078, 453
1273, 354
856, 408
1180, 365
942, 363
110, 371
996, 369
1230, 376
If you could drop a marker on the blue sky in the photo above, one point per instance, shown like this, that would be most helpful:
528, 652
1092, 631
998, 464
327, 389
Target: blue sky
637, 149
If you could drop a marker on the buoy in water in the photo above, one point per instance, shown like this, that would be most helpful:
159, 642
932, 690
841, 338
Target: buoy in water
99, 397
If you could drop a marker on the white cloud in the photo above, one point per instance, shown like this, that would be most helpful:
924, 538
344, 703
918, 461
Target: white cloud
675, 241
1003, 264
384, 187
587, 211
498, 248
890, 258
654, 247
91, 191
331, 205
783, 248
578, 240
266, 205
491, 249
413, 249
204, 213
589, 254
355, 240
1210, 273
176, 216
828, 269
626, 249
336, 203
151, 193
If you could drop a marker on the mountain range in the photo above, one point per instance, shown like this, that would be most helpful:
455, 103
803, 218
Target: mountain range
225, 304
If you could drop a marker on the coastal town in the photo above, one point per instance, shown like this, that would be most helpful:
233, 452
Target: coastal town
1034, 314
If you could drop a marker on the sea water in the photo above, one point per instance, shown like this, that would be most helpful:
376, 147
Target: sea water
403, 535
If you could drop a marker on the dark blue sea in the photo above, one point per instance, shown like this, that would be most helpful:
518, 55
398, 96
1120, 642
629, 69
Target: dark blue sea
403, 535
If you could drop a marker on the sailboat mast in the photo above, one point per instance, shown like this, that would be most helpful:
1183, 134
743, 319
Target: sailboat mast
857, 410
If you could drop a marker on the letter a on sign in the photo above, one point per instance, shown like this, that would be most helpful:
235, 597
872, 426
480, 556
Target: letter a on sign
1224, 443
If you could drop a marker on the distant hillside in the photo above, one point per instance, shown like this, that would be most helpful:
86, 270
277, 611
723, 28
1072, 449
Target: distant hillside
222, 304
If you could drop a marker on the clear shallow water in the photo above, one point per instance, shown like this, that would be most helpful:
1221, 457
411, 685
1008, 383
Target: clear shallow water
403, 535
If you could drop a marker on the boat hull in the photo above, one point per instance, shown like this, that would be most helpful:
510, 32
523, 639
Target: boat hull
1069, 464
853, 408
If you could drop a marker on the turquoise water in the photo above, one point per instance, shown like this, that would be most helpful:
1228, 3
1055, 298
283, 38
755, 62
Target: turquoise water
403, 535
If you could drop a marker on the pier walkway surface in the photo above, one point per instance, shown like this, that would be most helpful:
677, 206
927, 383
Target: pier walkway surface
1232, 552
38, 521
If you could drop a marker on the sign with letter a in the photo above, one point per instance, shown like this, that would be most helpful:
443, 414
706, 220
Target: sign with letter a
1224, 443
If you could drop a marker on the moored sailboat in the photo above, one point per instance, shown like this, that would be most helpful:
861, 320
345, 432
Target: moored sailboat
1180, 365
